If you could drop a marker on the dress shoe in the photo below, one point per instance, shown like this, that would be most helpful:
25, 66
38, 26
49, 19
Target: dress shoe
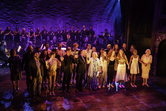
53, 93
123, 86
58, 84
112, 86
99, 86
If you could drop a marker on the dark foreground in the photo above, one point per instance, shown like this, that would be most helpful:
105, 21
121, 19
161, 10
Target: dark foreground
141, 98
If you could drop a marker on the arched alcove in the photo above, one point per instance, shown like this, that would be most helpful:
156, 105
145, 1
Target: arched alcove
161, 59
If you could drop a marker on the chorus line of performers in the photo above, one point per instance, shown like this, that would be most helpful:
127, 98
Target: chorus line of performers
108, 68
37, 38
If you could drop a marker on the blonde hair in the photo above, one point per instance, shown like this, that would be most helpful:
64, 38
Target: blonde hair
95, 54
123, 55
110, 53
147, 51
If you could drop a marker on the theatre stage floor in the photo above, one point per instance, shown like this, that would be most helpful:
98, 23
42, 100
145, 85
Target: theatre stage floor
140, 98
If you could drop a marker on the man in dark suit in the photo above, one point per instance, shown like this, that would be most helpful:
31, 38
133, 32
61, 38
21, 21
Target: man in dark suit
78, 34
67, 64
91, 34
81, 69
72, 33
84, 33
58, 34
64, 34
36, 72
44, 33
26, 58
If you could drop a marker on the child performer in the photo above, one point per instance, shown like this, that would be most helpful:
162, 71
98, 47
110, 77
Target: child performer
147, 59
134, 67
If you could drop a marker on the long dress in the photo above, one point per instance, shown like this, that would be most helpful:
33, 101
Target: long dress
134, 66
121, 71
111, 71
146, 69
102, 78
15, 68
93, 72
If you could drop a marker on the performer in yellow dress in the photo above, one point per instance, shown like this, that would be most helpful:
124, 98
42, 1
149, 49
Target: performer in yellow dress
147, 59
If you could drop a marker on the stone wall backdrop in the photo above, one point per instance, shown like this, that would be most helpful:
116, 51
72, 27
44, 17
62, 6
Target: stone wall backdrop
101, 14
159, 39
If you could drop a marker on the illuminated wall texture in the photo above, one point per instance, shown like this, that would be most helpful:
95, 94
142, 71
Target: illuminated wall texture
101, 14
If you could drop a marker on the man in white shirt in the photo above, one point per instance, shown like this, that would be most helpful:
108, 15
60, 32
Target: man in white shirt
89, 54
60, 51
89, 51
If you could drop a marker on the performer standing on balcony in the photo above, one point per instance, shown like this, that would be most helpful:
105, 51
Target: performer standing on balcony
64, 34
17, 35
78, 35
58, 34
72, 34
51, 34
31, 36
91, 35
44, 33
38, 36
8, 36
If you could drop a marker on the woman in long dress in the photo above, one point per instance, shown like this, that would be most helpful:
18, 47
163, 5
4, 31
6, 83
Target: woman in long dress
121, 75
111, 66
93, 72
147, 59
15, 69
103, 75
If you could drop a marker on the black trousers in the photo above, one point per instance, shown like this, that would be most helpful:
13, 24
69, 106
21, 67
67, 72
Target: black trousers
28, 81
79, 78
74, 72
110, 73
66, 80
58, 78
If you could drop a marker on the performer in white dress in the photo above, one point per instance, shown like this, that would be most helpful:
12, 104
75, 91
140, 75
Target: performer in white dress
147, 59
134, 67
103, 75
121, 75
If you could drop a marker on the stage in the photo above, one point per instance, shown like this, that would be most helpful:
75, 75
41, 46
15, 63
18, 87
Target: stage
140, 98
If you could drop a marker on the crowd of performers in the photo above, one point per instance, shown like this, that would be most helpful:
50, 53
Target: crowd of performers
82, 37
110, 68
